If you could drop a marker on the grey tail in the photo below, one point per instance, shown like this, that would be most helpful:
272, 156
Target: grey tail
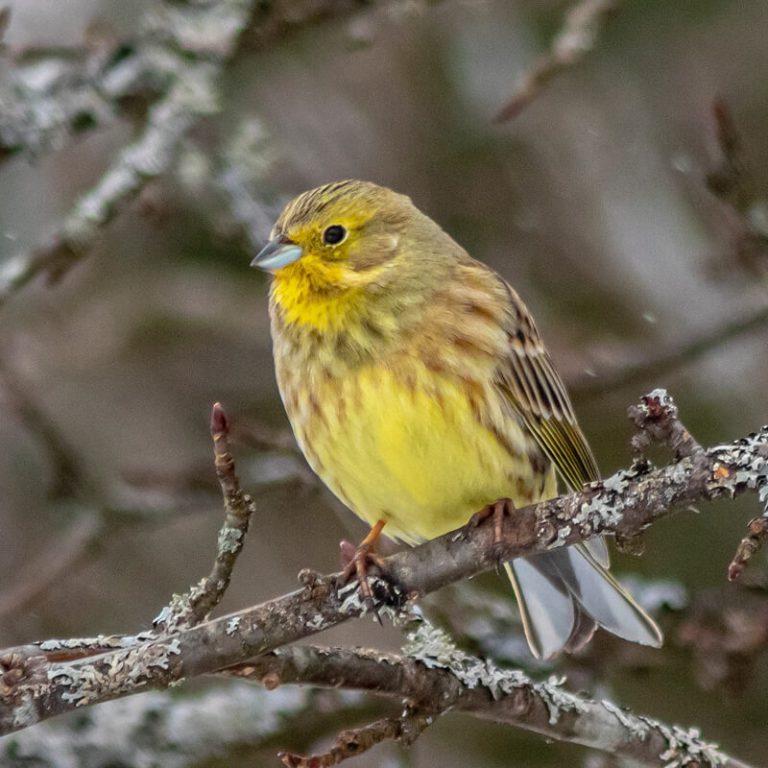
564, 595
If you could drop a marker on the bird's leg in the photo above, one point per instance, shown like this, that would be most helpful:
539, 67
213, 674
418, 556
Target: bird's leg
497, 512
356, 560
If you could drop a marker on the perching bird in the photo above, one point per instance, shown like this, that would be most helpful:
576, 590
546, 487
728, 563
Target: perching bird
420, 392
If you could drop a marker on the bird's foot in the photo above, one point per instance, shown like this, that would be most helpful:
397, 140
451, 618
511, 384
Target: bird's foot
496, 512
357, 563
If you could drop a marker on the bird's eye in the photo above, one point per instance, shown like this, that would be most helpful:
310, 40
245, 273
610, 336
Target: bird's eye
334, 234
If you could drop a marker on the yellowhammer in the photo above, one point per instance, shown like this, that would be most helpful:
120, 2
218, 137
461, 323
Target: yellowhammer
420, 391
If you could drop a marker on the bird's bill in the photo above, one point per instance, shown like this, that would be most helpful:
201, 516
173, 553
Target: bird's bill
276, 254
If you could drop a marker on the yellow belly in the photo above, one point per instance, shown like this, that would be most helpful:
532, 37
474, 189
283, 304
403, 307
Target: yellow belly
408, 448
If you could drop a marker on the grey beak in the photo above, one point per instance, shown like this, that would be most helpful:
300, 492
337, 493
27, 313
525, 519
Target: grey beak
277, 253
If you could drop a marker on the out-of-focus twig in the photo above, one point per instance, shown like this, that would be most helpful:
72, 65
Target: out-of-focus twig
668, 358
571, 44
191, 96
94, 518
68, 473
54, 563
732, 182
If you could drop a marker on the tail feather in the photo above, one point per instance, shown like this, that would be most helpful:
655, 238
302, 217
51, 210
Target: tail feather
547, 609
564, 594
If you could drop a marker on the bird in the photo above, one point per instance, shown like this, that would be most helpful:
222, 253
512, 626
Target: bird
419, 390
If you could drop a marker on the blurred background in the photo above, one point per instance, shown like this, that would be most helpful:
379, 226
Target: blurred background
593, 202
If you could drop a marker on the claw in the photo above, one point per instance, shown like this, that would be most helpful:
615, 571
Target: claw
497, 512
356, 562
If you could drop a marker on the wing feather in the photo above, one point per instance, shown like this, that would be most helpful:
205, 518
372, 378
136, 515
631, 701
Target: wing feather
537, 393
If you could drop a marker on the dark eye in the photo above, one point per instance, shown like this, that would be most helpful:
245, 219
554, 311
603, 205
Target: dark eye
334, 234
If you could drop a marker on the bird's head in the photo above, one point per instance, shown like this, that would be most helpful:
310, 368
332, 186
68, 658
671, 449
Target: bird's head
334, 248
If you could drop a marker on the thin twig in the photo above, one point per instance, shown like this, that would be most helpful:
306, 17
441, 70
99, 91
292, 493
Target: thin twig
574, 41
356, 741
194, 606
657, 421
732, 182
750, 544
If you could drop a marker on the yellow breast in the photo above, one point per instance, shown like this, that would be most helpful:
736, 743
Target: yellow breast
399, 442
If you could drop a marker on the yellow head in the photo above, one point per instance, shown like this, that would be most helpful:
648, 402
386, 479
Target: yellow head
349, 250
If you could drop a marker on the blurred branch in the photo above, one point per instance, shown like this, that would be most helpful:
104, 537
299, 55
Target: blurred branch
214, 27
668, 358
732, 182
747, 213
53, 564
164, 729
68, 475
572, 43
50, 678
94, 519
183, 52
55, 97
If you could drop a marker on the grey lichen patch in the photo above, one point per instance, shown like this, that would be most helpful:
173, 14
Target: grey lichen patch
597, 514
230, 540
124, 672
317, 623
232, 626
435, 649
25, 713
741, 465
637, 726
353, 604
685, 747
100, 642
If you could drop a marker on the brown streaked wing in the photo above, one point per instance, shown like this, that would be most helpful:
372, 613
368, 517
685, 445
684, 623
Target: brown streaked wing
536, 391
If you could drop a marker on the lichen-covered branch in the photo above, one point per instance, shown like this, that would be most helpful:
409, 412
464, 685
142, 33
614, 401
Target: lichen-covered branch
435, 675
571, 44
623, 504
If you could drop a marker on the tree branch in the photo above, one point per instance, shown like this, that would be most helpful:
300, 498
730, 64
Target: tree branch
190, 96
180, 58
571, 44
36, 688
164, 729
646, 367
439, 677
